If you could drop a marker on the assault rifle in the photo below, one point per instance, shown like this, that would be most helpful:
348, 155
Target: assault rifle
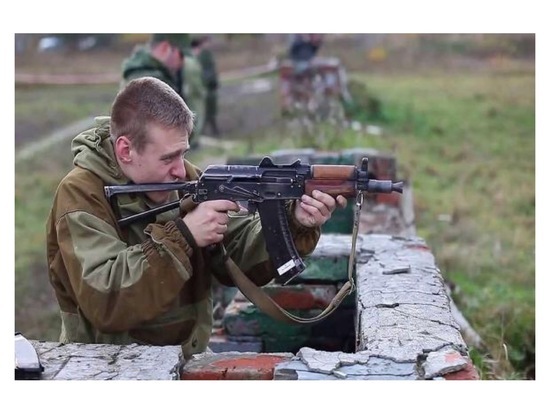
265, 188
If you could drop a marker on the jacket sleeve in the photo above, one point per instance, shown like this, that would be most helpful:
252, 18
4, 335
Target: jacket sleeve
118, 286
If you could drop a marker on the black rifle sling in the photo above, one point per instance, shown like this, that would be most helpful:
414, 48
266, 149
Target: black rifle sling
262, 300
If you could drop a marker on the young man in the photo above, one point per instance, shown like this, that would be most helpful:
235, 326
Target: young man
150, 283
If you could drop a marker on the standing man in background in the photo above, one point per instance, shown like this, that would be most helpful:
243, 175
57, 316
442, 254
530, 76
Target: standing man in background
194, 89
162, 57
302, 50
210, 80
168, 57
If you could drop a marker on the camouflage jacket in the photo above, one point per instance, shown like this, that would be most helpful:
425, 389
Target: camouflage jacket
148, 283
141, 64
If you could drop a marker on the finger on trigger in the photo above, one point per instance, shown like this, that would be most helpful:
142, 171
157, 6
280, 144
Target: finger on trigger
342, 201
226, 206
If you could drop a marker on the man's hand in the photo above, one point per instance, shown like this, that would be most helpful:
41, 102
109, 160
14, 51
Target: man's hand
208, 221
316, 210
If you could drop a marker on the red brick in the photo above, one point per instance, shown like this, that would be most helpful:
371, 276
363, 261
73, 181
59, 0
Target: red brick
383, 167
233, 366
419, 247
468, 373
389, 198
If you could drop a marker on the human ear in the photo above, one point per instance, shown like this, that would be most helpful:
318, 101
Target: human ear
123, 149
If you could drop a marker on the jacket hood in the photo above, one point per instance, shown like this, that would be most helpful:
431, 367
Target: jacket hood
93, 150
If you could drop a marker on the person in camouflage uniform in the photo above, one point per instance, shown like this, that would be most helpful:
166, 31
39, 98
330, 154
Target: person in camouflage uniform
150, 282
210, 79
168, 57
161, 58
195, 90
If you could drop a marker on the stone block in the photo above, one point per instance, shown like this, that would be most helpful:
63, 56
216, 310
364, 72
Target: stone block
80, 361
321, 365
450, 364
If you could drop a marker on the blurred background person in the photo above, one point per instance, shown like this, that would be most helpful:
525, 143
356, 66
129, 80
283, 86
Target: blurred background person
211, 82
162, 57
302, 50
194, 90
168, 57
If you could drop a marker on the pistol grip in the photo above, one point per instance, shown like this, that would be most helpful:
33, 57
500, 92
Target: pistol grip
278, 240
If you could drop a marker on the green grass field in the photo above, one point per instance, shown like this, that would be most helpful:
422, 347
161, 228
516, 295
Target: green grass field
467, 144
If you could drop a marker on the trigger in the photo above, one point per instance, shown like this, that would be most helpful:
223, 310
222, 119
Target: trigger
251, 207
246, 209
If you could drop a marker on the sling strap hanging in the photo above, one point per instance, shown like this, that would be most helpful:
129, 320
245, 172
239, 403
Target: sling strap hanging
262, 300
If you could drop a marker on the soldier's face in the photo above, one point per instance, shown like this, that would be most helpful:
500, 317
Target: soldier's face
174, 60
160, 161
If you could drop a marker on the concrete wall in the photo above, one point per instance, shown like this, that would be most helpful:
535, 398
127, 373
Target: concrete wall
404, 330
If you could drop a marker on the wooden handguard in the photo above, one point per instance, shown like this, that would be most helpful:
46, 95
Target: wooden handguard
333, 179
